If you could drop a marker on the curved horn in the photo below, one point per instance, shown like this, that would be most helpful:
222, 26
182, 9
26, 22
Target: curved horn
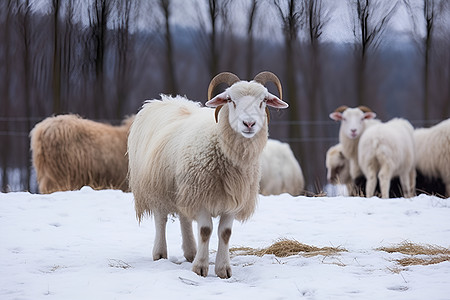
267, 76
364, 108
224, 77
341, 108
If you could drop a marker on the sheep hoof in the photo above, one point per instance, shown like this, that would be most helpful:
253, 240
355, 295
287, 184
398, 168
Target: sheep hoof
201, 270
158, 256
224, 272
189, 256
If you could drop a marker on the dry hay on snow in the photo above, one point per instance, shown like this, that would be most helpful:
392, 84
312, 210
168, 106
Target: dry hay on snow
286, 247
418, 254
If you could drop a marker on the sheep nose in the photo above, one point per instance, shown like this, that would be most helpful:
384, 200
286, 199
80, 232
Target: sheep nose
353, 130
249, 124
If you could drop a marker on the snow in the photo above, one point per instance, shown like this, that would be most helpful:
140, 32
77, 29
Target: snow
88, 245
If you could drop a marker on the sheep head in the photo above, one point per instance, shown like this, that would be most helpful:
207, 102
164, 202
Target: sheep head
338, 167
247, 101
352, 119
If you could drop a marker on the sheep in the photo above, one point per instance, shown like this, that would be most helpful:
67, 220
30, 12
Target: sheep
69, 152
200, 163
386, 150
280, 171
353, 123
338, 172
338, 167
433, 152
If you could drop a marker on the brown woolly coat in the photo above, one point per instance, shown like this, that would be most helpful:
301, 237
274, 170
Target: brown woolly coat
69, 152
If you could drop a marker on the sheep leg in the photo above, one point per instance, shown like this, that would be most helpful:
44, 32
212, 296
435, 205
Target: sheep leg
223, 269
412, 180
408, 183
160, 245
384, 177
188, 246
205, 226
371, 183
406, 186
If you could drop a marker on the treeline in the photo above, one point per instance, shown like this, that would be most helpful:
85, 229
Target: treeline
102, 58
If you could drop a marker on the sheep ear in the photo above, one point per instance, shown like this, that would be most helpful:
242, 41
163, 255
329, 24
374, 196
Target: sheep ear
370, 115
218, 100
274, 101
337, 116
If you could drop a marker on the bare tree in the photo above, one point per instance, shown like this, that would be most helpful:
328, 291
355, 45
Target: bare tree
431, 11
369, 25
56, 75
98, 14
213, 9
209, 35
254, 6
171, 81
68, 43
316, 17
290, 13
7, 9
126, 13
24, 22
437, 60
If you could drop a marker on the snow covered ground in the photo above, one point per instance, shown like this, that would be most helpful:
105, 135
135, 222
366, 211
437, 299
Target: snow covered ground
88, 245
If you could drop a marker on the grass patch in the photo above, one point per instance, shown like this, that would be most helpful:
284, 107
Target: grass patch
286, 247
412, 261
410, 248
429, 254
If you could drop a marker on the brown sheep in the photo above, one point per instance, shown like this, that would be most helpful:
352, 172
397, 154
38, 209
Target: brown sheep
69, 152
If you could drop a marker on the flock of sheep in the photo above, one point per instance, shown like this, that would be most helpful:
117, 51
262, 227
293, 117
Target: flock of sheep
178, 157
380, 152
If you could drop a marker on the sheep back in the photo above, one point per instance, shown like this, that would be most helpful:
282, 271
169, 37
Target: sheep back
69, 152
389, 143
280, 171
433, 150
177, 161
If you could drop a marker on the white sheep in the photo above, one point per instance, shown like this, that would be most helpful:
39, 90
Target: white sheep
70, 152
183, 162
280, 171
353, 123
386, 150
433, 152
338, 167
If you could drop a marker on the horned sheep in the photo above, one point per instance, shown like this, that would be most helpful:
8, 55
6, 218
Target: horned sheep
280, 171
69, 152
386, 150
433, 152
183, 162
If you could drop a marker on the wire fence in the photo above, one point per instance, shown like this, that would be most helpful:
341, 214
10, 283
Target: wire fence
17, 174
318, 124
